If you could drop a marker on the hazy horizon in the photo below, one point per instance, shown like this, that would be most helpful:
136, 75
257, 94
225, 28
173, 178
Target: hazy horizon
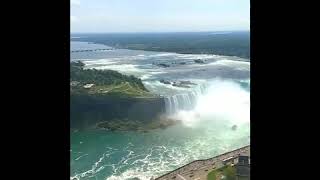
143, 16
160, 32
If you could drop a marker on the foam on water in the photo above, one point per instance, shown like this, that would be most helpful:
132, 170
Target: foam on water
163, 54
223, 101
155, 153
208, 110
100, 62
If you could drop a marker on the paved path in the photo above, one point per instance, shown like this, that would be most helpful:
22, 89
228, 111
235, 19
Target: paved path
181, 177
199, 169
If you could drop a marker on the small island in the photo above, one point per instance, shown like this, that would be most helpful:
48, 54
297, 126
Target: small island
109, 100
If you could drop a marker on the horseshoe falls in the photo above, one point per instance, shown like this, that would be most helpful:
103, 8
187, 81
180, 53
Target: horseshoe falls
208, 93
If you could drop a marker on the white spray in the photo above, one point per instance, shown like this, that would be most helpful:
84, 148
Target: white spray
222, 101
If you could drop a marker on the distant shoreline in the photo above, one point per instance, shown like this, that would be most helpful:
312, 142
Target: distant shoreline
225, 43
154, 50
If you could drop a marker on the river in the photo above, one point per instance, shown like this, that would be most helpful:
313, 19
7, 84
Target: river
218, 100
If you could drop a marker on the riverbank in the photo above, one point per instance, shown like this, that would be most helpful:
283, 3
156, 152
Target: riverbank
86, 111
235, 43
113, 101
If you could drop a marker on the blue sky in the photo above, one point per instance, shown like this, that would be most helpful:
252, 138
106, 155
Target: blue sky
159, 15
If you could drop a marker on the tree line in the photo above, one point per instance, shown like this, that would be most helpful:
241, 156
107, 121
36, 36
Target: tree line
101, 77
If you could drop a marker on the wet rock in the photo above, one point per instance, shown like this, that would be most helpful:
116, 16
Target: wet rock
178, 84
165, 81
187, 83
199, 61
184, 84
163, 65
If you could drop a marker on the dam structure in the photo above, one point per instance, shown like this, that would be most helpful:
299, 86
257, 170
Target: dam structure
199, 169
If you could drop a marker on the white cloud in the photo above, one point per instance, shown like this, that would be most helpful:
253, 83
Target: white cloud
75, 2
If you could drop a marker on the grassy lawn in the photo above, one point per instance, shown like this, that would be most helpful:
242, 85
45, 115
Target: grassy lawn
104, 82
123, 88
228, 172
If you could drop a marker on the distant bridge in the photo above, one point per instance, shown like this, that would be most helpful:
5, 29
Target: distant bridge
90, 50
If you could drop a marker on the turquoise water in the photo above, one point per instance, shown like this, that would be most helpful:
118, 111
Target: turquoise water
125, 155
205, 130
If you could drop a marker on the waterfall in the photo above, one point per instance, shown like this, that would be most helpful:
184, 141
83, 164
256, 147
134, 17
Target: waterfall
218, 100
184, 101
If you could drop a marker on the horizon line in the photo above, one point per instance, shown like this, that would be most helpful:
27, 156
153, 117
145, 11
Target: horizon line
149, 32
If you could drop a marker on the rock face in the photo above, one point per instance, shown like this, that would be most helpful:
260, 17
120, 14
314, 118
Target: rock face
118, 125
87, 111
